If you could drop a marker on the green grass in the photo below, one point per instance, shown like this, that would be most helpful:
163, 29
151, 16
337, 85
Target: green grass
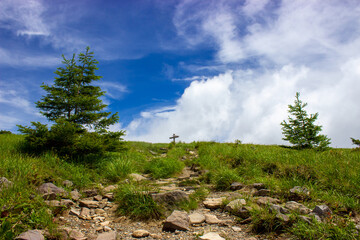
163, 167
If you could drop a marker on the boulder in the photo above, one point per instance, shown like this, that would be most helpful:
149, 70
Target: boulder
212, 236
323, 211
170, 198
196, 218
50, 192
178, 220
214, 203
31, 235
236, 186
140, 233
234, 205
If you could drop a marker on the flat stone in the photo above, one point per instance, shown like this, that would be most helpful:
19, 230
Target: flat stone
75, 234
236, 186
107, 229
137, 177
155, 236
212, 236
170, 198
99, 211
110, 188
140, 233
298, 207
90, 192
98, 197
88, 203
67, 203
107, 236
236, 229
31, 235
278, 209
178, 220
109, 196
212, 219
323, 211
235, 205
85, 212
75, 212
214, 203
196, 218
267, 200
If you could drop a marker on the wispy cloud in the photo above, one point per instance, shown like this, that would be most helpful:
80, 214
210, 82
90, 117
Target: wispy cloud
113, 90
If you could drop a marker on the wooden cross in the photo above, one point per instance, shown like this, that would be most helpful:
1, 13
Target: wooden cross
173, 137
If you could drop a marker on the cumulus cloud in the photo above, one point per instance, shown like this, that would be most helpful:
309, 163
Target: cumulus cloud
305, 46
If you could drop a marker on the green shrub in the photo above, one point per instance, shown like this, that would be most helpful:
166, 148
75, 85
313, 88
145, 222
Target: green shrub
163, 167
136, 202
264, 221
224, 178
5, 132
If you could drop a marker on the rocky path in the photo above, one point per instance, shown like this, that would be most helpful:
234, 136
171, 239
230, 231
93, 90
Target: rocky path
91, 214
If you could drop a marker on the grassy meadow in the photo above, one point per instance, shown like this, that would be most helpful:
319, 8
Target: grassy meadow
332, 176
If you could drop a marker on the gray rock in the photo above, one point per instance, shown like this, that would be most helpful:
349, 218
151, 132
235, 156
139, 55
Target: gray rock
234, 205
140, 233
298, 207
316, 217
75, 212
258, 186
262, 192
196, 218
236, 186
212, 236
31, 235
297, 190
4, 183
283, 217
306, 219
170, 198
211, 219
88, 203
50, 192
74, 234
107, 236
323, 211
137, 177
236, 229
68, 183
267, 200
214, 203
278, 209
243, 212
178, 220
67, 203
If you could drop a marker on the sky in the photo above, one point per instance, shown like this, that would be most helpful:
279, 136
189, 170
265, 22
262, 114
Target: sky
215, 70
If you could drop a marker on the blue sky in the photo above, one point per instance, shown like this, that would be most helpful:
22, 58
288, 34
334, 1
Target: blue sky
205, 70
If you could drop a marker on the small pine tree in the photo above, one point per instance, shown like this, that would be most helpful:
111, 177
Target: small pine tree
356, 141
301, 130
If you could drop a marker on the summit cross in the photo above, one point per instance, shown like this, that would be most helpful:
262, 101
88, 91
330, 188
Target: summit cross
173, 137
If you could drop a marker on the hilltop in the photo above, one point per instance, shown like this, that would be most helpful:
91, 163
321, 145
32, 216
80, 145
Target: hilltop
182, 191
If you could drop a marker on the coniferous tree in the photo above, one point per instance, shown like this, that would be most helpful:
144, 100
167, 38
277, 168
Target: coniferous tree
301, 130
355, 141
73, 98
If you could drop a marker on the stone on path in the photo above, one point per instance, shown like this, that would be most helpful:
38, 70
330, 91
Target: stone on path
110, 188
75, 234
178, 220
88, 203
140, 233
31, 235
107, 236
170, 198
322, 210
211, 219
49, 191
196, 218
212, 236
236, 229
214, 203
137, 177
75, 195
235, 205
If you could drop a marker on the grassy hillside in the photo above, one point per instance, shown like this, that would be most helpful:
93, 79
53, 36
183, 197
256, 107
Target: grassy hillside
332, 176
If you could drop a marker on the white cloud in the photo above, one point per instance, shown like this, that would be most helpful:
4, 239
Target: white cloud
306, 46
113, 90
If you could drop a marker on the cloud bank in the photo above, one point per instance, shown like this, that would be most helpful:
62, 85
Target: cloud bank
270, 51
